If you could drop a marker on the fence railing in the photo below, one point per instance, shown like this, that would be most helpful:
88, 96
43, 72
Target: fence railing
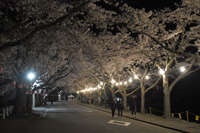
5, 112
178, 115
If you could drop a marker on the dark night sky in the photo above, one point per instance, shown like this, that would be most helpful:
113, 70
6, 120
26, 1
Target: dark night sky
147, 4
153, 4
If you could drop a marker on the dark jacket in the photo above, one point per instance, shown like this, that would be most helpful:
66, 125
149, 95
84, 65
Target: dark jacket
120, 105
113, 104
133, 102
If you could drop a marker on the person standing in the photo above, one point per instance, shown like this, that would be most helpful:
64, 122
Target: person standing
120, 107
83, 101
45, 101
113, 106
133, 105
51, 100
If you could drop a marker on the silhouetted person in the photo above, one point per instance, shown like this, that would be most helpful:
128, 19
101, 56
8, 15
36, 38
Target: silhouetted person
83, 101
51, 100
45, 101
120, 107
113, 106
133, 105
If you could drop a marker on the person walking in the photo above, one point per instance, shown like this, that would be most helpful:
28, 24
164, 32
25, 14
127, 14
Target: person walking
133, 105
120, 107
113, 106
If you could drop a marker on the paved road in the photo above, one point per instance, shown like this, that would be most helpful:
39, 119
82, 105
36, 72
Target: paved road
69, 117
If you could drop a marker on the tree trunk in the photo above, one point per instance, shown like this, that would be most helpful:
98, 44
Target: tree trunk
125, 102
167, 106
20, 101
112, 92
29, 103
99, 99
105, 97
142, 99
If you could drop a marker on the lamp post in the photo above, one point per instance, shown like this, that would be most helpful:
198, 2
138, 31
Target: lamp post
31, 76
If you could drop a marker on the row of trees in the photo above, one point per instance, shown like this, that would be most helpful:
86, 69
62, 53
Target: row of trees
76, 44
165, 40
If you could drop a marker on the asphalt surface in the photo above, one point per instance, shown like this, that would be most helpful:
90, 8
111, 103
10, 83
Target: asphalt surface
68, 116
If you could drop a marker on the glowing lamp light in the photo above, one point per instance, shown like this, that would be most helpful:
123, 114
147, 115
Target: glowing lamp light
120, 83
125, 82
146, 77
117, 84
31, 76
130, 80
182, 69
162, 72
113, 81
101, 83
135, 76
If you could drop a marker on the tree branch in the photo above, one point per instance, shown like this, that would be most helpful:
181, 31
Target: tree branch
40, 28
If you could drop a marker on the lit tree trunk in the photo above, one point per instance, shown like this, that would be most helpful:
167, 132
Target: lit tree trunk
105, 97
167, 106
125, 101
142, 98
166, 91
99, 97
112, 92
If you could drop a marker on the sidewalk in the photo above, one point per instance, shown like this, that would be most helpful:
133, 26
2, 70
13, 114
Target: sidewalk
39, 110
173, 123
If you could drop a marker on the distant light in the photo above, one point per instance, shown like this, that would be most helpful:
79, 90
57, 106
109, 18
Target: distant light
146, 77
161, 72
125, 82
99, 86
135, 76
120, 83
101, 83
113, 81
117, 84
182, 69
130, 80
31, 76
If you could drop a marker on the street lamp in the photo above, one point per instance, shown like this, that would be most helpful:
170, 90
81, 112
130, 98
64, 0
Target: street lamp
125, 82
31, 76
182, 69
162, 72
135, 76
113, 81
146, 77
130, 80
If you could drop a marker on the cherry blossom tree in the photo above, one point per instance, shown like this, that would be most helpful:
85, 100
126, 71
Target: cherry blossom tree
172, 34
21, 20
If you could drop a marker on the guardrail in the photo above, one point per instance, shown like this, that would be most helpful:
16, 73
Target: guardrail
178, 115
6, 111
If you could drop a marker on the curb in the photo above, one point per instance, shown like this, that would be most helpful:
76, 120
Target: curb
151, 123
